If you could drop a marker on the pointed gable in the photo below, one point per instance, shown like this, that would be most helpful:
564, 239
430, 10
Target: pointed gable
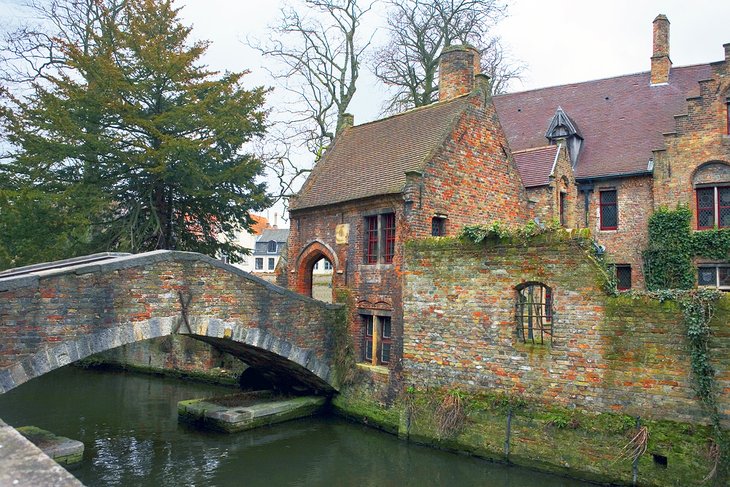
372, 159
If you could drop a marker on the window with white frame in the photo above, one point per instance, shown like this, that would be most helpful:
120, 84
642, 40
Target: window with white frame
714, 275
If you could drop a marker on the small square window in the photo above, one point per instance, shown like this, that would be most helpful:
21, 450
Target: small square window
438, 226
623, 277
714, 275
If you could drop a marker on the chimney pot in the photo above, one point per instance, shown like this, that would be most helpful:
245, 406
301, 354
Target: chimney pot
458, 65
661, 64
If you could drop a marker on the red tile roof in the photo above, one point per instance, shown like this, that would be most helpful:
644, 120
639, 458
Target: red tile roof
536, 165
372, 159
621, 119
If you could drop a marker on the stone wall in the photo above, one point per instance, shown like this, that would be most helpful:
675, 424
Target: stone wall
609, 354
176, 355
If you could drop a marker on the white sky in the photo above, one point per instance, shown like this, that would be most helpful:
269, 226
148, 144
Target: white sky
560, 41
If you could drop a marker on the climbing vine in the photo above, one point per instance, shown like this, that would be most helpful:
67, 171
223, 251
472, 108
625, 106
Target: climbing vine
673, 245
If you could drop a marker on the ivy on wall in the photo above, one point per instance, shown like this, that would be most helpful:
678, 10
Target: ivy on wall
673, 245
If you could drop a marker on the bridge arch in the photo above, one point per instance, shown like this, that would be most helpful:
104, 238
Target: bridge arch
53, 316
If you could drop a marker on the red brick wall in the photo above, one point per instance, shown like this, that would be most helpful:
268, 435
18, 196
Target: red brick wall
700, 137
471, 179
635, 205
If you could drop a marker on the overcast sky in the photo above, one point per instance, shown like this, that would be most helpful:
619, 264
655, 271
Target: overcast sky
559, 41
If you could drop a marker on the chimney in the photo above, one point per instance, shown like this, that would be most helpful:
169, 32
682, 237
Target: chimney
276, 218
458, 65
660, 62
347, 120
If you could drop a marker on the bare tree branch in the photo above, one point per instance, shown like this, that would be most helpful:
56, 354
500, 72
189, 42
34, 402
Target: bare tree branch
420, 29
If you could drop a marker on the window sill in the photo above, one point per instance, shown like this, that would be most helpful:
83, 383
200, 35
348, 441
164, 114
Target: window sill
377, 266
608, 230
378, 369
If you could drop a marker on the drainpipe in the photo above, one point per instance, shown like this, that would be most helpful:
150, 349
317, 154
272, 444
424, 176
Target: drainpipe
587, 189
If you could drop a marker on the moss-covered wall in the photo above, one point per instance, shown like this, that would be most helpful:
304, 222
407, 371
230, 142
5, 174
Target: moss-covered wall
573, 402
554, 439
626, 354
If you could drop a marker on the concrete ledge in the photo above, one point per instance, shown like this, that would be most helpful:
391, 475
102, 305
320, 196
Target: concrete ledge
224, 415
61, 449
23, 464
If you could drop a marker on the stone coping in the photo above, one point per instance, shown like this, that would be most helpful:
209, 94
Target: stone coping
30, 276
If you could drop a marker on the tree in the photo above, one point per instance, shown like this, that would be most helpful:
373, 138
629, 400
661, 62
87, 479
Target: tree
420, 29
318, 48
124, 119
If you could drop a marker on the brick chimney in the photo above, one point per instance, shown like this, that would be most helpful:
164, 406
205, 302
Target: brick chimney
347, 121
660, 62
458, 65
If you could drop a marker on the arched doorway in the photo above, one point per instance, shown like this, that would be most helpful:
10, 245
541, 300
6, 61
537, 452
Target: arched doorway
315, 270
322, 280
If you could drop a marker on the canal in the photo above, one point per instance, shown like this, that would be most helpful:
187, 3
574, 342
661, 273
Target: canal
129, 426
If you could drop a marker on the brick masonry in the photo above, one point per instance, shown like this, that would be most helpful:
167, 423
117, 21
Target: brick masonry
52, 318
611, 354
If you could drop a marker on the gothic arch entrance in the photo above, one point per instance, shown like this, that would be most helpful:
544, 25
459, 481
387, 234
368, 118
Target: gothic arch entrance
316, 266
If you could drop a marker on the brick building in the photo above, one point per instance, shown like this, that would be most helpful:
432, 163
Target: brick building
601, 154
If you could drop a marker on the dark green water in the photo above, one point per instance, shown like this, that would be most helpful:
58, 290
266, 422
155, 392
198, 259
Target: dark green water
129, 426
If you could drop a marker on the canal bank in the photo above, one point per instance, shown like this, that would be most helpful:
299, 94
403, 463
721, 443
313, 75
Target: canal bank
128, 423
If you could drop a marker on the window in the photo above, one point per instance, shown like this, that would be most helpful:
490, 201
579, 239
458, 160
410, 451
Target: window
371, 239
534, 312
379, 238
609, 209
389, 237
713, 207
271, 247
714, 275
272, 263
377, 335
563, 209
259, 263
623, 277
316, 266
327, 265
438, 226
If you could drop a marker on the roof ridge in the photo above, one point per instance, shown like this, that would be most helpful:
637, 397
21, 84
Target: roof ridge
596, 80
532, 149
410, 110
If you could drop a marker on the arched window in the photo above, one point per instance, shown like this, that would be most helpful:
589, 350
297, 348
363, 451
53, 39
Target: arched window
534, 312
271, 248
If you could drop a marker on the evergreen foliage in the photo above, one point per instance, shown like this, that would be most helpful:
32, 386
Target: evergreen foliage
130, 144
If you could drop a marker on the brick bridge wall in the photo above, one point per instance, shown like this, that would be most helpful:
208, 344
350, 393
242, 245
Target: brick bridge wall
55, 317
611, 354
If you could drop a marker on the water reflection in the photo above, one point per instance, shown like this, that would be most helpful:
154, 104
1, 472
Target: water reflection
129, 426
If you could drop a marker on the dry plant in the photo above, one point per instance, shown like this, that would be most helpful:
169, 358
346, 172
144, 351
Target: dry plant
636, 446
450, 415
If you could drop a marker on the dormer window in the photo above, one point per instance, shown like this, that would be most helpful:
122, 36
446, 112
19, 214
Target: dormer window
271, 247
562, 127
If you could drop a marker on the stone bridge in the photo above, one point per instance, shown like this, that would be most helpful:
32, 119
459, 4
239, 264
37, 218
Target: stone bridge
54, 314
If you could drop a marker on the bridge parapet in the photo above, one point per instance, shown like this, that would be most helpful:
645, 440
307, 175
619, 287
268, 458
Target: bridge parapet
54, 315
